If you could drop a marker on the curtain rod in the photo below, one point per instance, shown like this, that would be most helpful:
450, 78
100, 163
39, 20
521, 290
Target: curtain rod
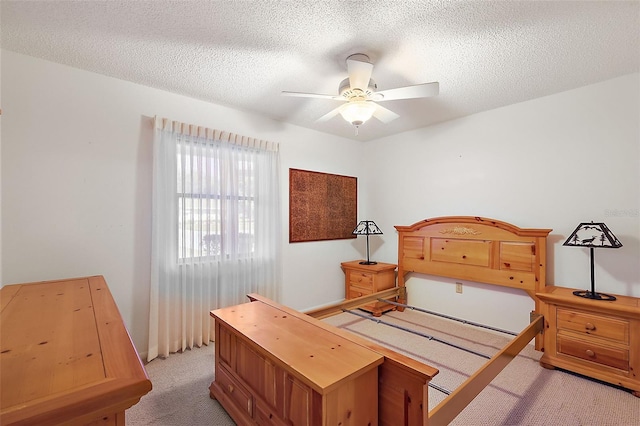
162, 123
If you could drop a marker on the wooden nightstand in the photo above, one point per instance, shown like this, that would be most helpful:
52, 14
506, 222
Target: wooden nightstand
599, 339
361, 280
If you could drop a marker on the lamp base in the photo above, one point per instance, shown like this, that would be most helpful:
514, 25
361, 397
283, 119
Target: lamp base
593, 295
368, 262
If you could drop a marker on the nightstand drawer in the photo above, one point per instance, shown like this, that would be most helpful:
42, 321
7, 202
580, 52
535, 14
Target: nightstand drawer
358, 292
613, 329
361, 279
613, 357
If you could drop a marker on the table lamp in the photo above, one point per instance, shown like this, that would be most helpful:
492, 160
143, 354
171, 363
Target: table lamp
593, 235
367, 227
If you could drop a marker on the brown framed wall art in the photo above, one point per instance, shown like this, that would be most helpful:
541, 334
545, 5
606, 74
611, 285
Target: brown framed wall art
322, 206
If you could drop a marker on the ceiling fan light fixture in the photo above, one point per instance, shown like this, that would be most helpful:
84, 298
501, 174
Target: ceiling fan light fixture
357, 112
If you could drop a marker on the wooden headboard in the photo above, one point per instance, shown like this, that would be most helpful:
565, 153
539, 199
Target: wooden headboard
474, 249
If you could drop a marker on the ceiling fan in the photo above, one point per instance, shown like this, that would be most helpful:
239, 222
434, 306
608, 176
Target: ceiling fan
359, 93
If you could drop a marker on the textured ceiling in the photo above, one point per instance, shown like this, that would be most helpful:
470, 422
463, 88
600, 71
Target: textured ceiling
484, 54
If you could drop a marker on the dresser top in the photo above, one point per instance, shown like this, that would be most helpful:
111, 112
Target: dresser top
321, 359
63, 345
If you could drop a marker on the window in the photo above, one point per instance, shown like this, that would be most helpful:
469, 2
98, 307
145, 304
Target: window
208, 212
216, 233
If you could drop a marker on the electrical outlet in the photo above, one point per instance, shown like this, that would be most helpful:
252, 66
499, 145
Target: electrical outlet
458, 287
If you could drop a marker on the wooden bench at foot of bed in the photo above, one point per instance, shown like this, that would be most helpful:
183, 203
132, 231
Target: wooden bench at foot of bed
403, 381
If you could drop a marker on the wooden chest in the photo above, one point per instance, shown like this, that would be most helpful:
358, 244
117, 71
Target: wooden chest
274, 368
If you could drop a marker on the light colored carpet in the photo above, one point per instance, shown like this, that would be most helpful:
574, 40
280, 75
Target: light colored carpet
180, 394
523, 393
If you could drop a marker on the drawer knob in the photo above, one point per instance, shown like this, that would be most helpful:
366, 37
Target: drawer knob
590, 353
589, 326
230, 388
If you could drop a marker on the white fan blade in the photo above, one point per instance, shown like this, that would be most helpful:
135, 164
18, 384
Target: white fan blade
384, 115
313, 95
359, 73
424, 90
330, 114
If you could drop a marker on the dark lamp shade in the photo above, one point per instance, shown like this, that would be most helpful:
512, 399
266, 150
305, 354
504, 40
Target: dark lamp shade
595, 235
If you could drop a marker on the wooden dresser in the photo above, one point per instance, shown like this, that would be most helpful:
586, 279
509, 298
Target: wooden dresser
599, 339
66, 356
273, 367
362, 280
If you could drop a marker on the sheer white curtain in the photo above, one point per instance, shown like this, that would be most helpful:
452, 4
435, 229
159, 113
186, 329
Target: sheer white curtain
215, 229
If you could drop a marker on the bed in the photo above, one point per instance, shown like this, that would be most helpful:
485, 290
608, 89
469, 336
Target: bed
467, 248
461, 247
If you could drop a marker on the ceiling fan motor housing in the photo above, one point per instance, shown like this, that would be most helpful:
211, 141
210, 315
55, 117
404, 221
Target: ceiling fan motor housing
348, 93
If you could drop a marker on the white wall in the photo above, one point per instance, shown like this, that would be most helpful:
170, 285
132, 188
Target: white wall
76, 183
552, 162
0, 171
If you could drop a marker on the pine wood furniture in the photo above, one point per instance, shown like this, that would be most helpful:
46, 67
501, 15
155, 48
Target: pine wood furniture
362, 280
498, 253
599, 339
275, 367
475, 249
469, 248
66, 356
